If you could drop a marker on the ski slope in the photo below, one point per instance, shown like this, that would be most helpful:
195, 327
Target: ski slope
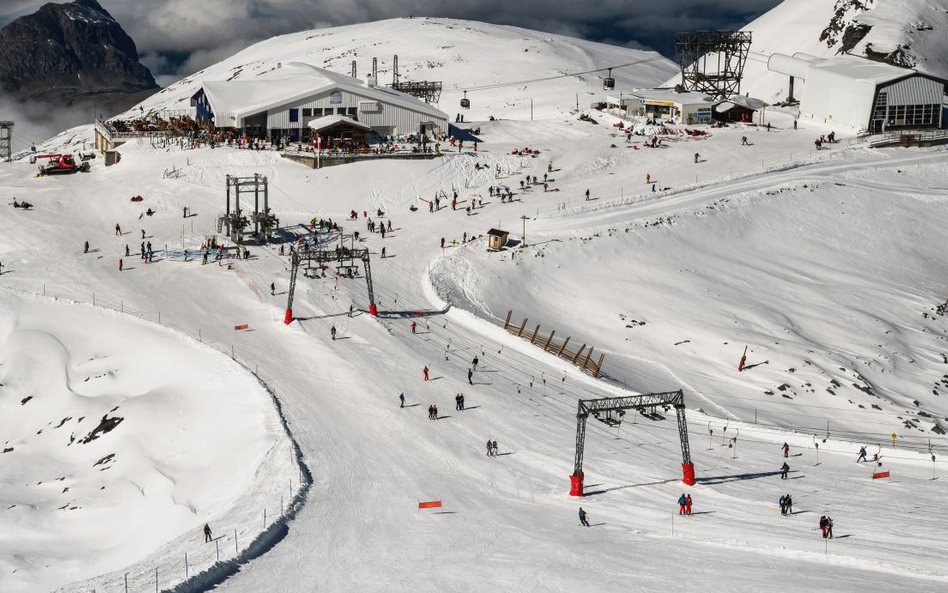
460, 54
750, 256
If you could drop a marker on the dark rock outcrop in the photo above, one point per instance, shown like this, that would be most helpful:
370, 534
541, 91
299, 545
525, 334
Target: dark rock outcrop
71, 53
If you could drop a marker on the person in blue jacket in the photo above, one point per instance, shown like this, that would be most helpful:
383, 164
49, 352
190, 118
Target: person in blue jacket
681, 504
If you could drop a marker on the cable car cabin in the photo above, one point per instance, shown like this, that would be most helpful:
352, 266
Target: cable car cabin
465, 102
609, 83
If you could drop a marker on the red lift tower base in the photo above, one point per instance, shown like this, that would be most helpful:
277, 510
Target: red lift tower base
288, 318
373, 311
576, 485
688, 470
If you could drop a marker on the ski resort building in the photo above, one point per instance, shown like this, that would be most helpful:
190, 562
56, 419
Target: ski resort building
862, 93
280, 105
666, 104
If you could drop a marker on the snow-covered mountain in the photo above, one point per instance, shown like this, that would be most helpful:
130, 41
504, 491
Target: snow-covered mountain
461, 54
908, 33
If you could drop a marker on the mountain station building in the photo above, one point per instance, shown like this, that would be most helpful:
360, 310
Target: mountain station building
282, 103
864, 94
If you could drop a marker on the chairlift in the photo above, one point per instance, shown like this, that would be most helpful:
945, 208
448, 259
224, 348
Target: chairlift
609, 83
465, 102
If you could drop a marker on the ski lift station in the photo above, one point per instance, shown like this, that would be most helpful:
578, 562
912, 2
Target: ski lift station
863, 94
666, 104
281, 103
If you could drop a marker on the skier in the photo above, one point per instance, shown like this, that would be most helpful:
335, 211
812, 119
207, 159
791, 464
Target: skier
786, 450
143, 233
390, 226
118, 230
768, 126
425, 371
682, 501
587, 195
383, 253
462, 402
697, 157
688, 505
351, 309
794, 124
824, 526
401, 400
490, 448
783, 505
442, 242
332, 332
435, 412
85, 248
474, 362
788, 501
744, 141
582, 518
862, 455
414, 326
272, 289
493, 446
457, 402
126, 250
120, 265
829, 526
470, 373
430, 412
207, 533
648, 178
784, 470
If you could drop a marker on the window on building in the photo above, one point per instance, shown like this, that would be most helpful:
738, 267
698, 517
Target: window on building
352, 111
307, 112
317, 112
294, 115
340, 110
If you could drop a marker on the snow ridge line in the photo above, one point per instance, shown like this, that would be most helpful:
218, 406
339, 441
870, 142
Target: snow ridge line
270, 537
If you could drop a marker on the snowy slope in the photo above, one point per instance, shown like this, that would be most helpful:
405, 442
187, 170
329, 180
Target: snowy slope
461, 54
909, 33
118, 436
830, 257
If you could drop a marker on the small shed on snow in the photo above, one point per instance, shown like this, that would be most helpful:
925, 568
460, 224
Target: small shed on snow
497, 239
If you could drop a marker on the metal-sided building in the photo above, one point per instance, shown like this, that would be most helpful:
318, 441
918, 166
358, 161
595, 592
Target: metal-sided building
864, 94
282, 102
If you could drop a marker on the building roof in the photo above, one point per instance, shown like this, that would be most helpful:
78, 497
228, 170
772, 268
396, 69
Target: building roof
497, 232
863, 69
669, 94
235, 100
332, 120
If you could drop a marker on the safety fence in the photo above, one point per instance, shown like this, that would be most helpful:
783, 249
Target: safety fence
582, 358
247, 530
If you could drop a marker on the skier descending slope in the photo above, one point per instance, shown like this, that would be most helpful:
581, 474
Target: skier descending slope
582, 518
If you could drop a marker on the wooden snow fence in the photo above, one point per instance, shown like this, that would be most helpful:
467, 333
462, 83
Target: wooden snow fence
583, 357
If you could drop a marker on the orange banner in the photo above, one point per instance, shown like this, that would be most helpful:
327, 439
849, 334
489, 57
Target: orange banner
430, 504
878, 475
240, 327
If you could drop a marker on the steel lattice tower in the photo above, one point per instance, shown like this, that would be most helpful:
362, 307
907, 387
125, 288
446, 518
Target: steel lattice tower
712, 62
6, 141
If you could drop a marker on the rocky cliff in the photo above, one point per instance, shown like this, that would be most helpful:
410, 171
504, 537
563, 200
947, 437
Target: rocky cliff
71, 53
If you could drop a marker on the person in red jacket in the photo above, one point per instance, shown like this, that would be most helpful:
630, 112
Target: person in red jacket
120, 265
425, 371
688, 505
414, 326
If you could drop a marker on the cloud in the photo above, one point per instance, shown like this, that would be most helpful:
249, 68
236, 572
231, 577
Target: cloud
179, 37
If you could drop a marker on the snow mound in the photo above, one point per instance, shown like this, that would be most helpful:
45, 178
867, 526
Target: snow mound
117, 437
